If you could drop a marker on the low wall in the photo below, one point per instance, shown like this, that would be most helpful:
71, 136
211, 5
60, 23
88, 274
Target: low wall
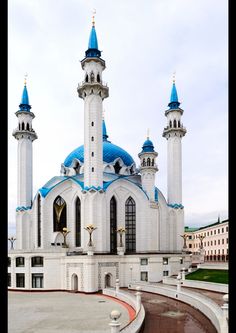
135, 325
209, 308
219, 287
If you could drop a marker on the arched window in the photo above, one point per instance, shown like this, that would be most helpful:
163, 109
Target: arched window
98, 78
39, 220
27, 127
59, 214
92, 77
153, 162
117, 167
148, 161
86, 78
178, 123
130, 225
175, 124
23, 126
92, 138
113, 225
78, 222
170, 123
144, 162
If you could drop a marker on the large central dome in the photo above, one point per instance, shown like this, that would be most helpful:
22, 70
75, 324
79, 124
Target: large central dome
110, 153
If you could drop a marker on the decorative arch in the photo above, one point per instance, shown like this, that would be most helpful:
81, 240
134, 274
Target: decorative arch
130, 225
148, 161
74, 282
108, 280
175, 124
113, 225
78, 222
59, 214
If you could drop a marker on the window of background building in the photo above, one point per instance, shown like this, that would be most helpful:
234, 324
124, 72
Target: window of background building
218, 241
208, 243
218, 231
143, 261
165, 273
165, 261
223, 241
215, 251
9, 262
144, 276
9, 280
190, 246
181, 261
222, 230
20, 280
226, 229
20, 262
37, 280
211, 242
227, 240
215, 242
211, 232
223, 251
207, 233
218, 251
189, 237
214, 232
37, 261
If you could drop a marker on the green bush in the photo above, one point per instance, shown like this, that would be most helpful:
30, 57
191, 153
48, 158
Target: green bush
209, 275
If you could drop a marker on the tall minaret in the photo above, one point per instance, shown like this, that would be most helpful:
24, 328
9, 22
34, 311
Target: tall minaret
174, 133
25, 136
148, 168
93, 91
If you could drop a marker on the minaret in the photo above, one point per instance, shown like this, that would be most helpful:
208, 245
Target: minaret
174, 133
25, 136
148, 168
93, 91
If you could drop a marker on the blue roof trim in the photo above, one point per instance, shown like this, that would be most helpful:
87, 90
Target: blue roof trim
107, 184
47, 188
175, 206
22, 208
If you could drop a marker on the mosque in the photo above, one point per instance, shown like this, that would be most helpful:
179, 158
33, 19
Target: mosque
103, 218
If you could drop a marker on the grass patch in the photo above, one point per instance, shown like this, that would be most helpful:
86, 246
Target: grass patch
209, 275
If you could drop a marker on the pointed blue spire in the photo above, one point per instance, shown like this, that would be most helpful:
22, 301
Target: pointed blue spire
104, 131
24, 105
174, 103
93, 50
93, 42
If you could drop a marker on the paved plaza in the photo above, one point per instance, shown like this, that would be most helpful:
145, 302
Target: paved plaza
61, 312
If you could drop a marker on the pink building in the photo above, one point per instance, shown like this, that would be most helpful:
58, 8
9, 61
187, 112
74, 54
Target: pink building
214, 240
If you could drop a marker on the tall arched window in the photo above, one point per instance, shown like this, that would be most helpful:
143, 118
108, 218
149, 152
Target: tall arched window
59, 214
130, 225
78, 222
39, 220
175, 125
113, 225
148, 161
23, 126
27, 127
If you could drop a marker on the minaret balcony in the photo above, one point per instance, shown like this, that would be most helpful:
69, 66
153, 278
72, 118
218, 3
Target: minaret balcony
96, 88
18, 134
174, 130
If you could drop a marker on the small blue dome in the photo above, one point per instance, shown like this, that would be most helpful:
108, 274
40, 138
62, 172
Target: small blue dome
148, 146
110, 153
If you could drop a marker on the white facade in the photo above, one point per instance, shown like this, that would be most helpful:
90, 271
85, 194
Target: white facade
99, 185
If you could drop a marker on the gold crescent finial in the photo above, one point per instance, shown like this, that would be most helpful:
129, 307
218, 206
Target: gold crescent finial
25, 78
94, 12
174, 76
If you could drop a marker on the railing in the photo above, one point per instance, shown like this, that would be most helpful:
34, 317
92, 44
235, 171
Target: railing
93, 83
208, 307
135, 325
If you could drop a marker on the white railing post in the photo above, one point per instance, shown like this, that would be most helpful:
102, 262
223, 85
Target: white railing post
117, 286
225, 306
178, 283
183, 273
115, 324
138, 299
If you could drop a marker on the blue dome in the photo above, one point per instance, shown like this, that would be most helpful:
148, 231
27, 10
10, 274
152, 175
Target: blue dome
110, 153
148, 146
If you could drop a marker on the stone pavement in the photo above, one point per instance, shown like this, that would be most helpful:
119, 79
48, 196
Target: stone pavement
61, 312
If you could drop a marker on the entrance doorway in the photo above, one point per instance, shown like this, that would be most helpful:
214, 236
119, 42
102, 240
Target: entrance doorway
74, 282
108, 278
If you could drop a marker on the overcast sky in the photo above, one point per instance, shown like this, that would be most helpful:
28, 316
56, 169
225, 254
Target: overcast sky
143, 43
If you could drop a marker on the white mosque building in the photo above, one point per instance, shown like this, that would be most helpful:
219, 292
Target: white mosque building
136, 231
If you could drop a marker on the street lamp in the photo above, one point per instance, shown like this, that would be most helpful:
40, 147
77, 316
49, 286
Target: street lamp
64, 233
184, 236
12, 240
90, 228
201, 237
121, 231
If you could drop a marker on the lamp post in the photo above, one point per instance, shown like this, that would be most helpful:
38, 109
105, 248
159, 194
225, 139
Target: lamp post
121, 231
90, 228
12, 240
201, 237
64, 233
184, 236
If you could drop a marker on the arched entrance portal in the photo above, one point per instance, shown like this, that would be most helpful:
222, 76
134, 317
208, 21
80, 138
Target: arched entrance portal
108, 280
74, 282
